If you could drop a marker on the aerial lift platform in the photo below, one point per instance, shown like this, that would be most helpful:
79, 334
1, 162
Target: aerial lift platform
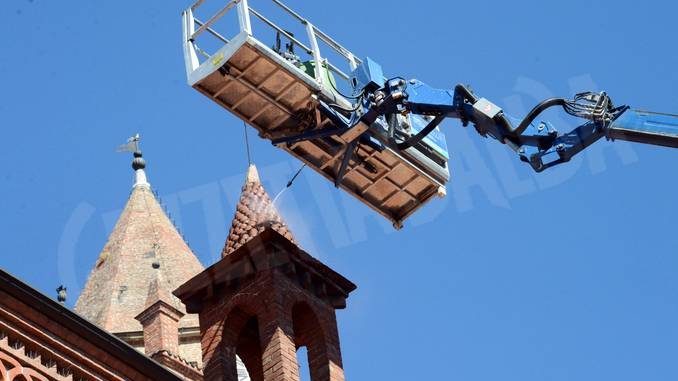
380, 143
281, 100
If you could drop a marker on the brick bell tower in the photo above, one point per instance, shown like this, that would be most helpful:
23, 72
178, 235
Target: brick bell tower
265, 299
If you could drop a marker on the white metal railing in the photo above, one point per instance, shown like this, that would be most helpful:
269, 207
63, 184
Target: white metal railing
214, 19
194, 28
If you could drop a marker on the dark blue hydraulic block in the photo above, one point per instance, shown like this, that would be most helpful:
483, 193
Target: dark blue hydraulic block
645, 127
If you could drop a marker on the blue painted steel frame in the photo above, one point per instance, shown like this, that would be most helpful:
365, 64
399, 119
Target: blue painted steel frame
540, 145
646, 127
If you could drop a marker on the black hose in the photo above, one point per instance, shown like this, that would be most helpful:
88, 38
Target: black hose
414, 140
538, 109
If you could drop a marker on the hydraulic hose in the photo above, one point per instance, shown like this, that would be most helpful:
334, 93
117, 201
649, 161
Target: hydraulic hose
414, 140
538, 109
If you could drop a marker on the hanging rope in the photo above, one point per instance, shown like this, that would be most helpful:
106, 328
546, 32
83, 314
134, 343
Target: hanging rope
247, 144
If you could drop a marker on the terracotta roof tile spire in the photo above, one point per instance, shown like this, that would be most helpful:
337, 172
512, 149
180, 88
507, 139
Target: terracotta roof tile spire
254, 213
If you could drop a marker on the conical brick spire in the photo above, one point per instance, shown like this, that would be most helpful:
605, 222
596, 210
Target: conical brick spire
255, 212
143, 242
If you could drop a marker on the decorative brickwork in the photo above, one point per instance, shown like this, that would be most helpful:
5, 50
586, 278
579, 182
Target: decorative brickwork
41, 340
178, 364
262, 302
11, 367
265, 299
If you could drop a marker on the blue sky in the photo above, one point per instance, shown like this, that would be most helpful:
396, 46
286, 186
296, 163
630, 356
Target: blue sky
566, 275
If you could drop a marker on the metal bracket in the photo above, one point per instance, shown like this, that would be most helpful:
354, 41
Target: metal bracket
348, 155
309, 135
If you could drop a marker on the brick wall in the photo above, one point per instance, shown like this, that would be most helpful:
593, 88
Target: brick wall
263, 302
287, 317
45, 341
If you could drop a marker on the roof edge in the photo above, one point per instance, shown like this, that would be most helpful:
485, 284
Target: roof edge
217, 272
74, 322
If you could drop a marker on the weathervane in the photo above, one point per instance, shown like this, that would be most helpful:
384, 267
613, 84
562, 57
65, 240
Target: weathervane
132, 145
138, 164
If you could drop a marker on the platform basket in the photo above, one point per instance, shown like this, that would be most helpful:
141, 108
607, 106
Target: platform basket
280, 99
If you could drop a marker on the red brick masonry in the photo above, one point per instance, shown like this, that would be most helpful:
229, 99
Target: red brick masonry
264, 301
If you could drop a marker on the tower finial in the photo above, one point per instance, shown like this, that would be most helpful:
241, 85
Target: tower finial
252, 174
138, 164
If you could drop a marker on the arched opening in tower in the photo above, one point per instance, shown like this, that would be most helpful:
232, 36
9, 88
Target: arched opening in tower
243, 346
248, 350
309, 339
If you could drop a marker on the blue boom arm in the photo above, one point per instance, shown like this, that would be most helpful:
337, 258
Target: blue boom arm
537, 143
